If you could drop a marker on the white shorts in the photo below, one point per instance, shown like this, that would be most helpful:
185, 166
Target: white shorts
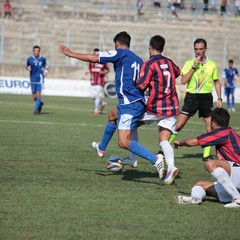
235, 178
96, 91
162, 121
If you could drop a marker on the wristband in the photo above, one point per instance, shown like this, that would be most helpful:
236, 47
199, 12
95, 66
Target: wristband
193, 67
220, 99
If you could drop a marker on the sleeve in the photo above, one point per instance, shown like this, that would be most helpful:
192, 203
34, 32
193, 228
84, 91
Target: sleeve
45, 63
176, 70
110, 56
145, 75
212, 138
215, 73
28, 62
186, 67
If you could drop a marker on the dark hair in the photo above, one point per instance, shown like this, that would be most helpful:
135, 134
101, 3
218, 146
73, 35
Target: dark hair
200, 40
96, 50
123, 38
157, 42
36, 47
230, 61
220, 116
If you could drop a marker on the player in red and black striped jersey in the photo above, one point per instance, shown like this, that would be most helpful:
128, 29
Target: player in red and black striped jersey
159, 74
97, 78
226, 170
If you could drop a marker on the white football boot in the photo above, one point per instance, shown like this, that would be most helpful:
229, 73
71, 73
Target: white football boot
159, 165
188, 200
234, 204
171, 174
99, 152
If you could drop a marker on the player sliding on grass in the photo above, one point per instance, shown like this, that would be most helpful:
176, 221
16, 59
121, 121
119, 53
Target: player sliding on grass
159, 75
226, 170
131, 106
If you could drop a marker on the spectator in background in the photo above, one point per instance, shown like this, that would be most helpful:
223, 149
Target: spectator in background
97, 76
194, 5
139, 6
172, 5
229, 76
157, 3
205, 3
8, 9
214, 5
223, 7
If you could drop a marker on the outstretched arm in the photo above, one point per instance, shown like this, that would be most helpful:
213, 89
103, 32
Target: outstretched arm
83, 57
191, 142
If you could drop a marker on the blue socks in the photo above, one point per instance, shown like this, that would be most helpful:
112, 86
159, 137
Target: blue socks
37, 104
107, 135
142, 152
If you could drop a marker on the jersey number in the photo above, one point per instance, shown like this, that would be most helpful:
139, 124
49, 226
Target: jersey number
136, 69
168, 76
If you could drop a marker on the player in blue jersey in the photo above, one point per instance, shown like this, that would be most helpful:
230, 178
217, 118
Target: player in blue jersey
229, 76
131, 105
37, 66
225, 170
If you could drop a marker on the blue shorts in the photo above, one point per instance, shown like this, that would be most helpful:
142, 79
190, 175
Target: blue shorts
36, 87
229, 91
128, 115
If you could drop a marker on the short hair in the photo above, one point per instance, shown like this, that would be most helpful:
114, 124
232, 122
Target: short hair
36, 47
200, 40
230, 61
220, 116
123, 38
157, 42
96, 50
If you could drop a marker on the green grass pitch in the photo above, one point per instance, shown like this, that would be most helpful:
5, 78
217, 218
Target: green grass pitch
53, 185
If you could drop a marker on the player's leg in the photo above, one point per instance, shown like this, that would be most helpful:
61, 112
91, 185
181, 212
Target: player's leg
233, 99
227, 93
127, 121
205, 108
188, 110
109, 130
221, 171
166, 127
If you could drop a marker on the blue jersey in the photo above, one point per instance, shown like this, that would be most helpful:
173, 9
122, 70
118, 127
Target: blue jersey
230, 74
37, 67
127, 67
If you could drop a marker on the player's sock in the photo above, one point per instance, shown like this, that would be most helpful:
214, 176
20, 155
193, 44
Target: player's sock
134, 136
228, 102
198, 192
107, 135
168, 153
142, 152
37, 104
206, 151
172, 138
223, 178
233, 102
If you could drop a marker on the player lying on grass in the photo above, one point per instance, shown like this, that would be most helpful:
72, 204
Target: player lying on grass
159, 75
226, 170
131, 101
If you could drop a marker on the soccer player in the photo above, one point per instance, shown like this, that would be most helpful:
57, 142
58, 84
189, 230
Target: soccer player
37, 66
159, 75
226, 169
98, 72
131, 106
199, 74
229, 76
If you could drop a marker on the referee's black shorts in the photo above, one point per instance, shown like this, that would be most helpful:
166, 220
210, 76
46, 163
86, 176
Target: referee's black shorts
203, 102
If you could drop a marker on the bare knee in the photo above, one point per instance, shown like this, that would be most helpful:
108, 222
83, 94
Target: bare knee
123, 144
113, 115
